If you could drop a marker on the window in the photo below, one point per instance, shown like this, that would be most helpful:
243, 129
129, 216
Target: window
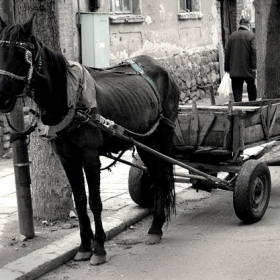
189, 9
185, 5
121, 6
125, 11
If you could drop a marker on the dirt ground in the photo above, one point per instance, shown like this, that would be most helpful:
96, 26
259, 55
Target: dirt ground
14, 246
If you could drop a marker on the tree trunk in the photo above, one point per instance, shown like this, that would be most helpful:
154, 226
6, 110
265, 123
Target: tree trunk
51, 192
268, 41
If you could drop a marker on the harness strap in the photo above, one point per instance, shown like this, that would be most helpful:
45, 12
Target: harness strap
13, 76
140, 70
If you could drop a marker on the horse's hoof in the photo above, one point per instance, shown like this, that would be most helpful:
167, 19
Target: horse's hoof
97, 259
82, 256
152, 239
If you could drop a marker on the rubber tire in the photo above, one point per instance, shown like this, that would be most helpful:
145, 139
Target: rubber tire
252, 191
140, 186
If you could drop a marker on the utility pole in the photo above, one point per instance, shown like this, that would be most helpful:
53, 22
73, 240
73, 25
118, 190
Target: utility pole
20, 154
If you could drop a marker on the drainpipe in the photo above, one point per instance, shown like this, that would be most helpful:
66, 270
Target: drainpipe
79, 27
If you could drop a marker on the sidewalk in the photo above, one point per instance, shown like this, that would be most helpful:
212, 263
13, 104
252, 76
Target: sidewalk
123, 212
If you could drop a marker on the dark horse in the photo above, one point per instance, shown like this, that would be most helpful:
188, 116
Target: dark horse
28, 67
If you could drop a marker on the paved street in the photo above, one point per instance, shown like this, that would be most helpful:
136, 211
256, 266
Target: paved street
121, 213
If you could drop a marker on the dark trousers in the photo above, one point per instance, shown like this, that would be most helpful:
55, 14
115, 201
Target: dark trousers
237, 88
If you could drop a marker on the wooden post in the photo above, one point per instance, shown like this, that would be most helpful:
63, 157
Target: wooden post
20, 157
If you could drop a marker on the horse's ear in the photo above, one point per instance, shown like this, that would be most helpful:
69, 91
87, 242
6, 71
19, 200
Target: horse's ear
2, 24
28, 26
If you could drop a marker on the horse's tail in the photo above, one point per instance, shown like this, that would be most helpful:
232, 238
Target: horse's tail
170, 205
167, 186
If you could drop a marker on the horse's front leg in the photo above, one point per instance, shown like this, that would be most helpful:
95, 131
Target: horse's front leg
92, 171
75, 176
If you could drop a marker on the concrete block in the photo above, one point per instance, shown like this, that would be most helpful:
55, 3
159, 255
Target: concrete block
11, 275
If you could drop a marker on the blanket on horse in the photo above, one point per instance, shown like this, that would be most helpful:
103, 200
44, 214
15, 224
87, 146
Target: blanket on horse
80, 87
81, 94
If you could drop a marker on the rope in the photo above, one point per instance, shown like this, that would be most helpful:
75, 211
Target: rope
114, 162
21, 135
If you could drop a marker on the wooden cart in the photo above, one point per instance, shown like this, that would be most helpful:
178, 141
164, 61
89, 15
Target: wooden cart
211, 139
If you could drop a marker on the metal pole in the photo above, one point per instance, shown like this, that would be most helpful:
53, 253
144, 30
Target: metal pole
22, 174
20, 157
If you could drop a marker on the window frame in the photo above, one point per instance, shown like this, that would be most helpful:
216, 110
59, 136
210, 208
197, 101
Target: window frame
119, 17
187, 6
113, 5
191, 9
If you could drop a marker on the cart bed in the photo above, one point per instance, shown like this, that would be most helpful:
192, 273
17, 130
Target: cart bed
223, 132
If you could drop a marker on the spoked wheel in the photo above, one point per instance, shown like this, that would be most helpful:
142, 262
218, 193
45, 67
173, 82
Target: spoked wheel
140, 186
252, 191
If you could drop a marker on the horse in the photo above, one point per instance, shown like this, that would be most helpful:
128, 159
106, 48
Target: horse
140, 96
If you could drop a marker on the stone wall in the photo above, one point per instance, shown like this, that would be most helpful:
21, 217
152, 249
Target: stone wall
196, 73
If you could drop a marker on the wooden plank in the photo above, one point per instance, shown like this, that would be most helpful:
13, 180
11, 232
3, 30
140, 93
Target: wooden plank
242, 134
269, 116
193, 132
264, 125
214, 138
258, 102
178, 133
254, 134
184, 121
236, 134
206, 127
227, 141
276, 116
218, 125
220, 108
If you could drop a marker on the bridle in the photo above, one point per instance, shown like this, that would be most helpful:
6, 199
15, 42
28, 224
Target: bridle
29, 48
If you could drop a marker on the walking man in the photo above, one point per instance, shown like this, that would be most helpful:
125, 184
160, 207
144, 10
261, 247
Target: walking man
240, 61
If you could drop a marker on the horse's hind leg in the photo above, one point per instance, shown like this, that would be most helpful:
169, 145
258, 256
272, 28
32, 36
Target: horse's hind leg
161, 172
75, 176
92, 171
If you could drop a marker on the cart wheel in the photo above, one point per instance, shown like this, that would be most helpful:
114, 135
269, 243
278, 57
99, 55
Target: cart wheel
140, 186
252, 191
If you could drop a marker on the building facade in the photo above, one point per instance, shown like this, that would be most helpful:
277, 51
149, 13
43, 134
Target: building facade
183, 35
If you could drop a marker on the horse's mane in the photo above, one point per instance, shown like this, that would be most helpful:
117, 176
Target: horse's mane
57, 63
57, 69
12, 33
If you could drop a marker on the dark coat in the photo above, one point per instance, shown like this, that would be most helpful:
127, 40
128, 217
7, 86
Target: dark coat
240, 55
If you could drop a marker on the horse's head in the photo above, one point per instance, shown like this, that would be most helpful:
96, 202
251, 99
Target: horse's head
16, 62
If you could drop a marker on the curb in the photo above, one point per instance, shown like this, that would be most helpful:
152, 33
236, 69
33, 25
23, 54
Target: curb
43, 260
